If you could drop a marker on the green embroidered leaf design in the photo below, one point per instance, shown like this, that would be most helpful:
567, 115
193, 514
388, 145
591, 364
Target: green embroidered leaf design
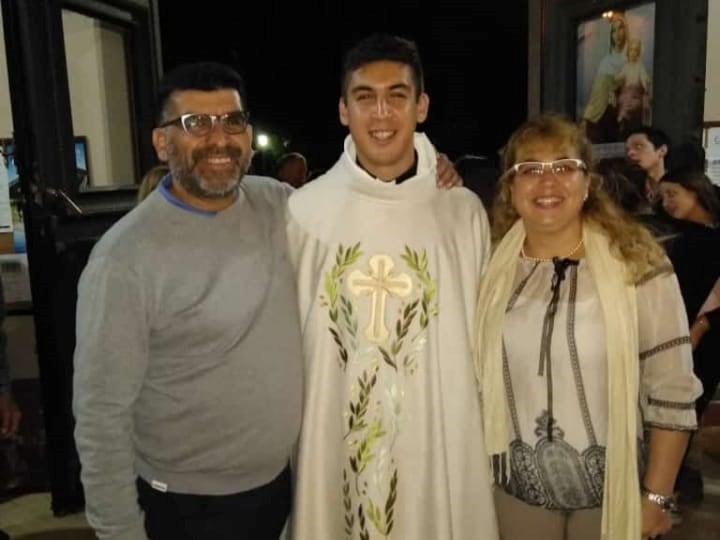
358, 409
424, 307
384, 523
390, 503
402, 327
375, 517
352, 254
348, 318
336, 337
347, 503
375, 494
365, 452
338, 305
419, 264
364, 534
330, 289
387, 358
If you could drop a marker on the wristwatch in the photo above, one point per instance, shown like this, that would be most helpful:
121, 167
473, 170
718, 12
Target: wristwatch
666, 502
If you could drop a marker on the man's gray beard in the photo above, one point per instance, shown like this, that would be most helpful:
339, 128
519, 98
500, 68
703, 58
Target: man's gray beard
205, 190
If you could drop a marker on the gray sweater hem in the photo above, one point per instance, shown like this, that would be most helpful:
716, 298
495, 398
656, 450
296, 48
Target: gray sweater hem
210, 483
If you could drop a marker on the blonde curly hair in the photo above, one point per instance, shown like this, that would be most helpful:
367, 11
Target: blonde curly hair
150, 181
629, 240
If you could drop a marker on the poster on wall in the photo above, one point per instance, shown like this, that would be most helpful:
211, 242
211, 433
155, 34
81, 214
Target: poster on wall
615, 52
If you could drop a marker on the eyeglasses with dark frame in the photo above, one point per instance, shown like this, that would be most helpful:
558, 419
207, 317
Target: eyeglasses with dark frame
199, 125
561, 168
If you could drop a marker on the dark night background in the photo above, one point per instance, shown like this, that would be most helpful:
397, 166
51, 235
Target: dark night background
474, 54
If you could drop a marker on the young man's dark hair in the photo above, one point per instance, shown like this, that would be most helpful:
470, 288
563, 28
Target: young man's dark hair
655, 135
383, 47
204, 76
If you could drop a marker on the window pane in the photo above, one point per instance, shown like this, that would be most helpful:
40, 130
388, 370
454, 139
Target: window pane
12, 229
100, 100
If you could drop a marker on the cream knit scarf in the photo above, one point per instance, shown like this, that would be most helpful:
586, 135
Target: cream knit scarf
621, 500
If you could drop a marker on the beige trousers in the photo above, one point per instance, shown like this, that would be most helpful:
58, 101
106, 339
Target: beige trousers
521, 521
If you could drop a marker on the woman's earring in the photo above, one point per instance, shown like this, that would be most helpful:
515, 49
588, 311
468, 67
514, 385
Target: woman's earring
585, 197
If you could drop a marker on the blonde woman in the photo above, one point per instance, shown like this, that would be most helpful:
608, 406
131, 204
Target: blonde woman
584, 358
151, 180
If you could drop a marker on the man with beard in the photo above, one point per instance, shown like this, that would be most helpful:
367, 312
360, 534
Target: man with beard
187, 368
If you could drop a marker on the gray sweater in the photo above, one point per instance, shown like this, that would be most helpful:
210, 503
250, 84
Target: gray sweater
188, 365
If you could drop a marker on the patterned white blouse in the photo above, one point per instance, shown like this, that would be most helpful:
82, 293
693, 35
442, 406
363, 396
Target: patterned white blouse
555, 373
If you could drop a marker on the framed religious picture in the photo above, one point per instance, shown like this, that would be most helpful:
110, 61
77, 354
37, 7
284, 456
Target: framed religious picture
565, 72
614, 72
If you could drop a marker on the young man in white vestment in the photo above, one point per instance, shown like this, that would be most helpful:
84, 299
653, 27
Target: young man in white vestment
388, 271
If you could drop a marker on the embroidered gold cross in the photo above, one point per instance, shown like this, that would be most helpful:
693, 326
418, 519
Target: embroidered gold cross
379, 283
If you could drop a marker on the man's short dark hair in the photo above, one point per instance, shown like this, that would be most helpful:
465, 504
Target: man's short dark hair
290, 156
286, 158
383, 47
203, 76
656, 136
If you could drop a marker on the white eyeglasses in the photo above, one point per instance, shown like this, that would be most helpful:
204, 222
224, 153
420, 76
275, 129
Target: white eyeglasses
199, 125
561, 168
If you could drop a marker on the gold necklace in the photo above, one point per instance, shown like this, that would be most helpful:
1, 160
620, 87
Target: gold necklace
541, 259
